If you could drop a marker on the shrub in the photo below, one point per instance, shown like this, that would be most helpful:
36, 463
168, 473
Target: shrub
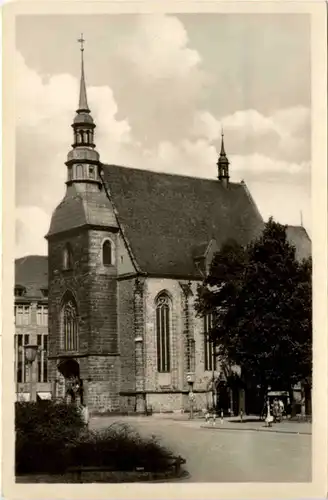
120, 448
42, 431
52, 437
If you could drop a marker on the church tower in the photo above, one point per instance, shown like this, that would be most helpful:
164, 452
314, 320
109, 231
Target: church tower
223, 164
82, 250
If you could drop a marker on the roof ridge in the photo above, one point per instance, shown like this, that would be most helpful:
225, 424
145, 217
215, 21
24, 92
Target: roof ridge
251, 199
173, 174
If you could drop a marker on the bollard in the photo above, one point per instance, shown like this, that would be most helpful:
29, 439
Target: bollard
241, 415
221, 417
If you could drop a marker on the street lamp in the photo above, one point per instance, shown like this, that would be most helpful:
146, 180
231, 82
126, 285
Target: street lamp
30, 353
190, 380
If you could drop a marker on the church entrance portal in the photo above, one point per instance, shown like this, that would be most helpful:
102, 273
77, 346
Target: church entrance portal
69, 370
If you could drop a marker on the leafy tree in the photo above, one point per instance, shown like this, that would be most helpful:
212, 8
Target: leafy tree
260, 297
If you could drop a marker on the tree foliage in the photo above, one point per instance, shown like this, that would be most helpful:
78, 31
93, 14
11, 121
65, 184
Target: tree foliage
261, 301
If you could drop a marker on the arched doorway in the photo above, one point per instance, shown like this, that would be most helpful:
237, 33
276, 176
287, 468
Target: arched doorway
69, 369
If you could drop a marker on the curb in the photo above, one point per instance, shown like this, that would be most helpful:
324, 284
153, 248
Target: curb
258, 429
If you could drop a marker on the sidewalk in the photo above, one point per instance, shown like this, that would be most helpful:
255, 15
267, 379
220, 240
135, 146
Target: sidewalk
253, 424
250, 423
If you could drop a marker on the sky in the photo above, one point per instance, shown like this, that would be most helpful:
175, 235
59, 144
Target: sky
160, 88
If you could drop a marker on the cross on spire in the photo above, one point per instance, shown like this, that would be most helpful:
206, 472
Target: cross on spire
81, 41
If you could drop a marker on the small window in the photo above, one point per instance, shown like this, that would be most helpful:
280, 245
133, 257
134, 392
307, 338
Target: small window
44, 292
19, 291
107, 257
91, 172
67, 257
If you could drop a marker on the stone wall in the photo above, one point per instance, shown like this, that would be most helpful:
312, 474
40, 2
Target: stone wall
94, 287
169, 391
126, 343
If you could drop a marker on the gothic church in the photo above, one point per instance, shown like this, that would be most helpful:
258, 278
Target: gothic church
126, 250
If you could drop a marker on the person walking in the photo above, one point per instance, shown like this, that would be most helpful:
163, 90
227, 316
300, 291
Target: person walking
269, 417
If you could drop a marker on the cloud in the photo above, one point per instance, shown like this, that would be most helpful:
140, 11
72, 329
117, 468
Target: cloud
159, 49
45, 110
32, 224
151, 115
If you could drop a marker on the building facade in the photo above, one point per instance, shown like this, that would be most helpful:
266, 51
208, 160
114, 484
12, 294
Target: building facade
127, 249
31, 325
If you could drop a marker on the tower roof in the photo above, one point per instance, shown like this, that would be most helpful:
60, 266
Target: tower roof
223, 156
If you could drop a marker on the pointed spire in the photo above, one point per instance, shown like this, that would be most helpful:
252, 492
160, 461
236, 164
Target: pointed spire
223, 163
222, 152
83, 103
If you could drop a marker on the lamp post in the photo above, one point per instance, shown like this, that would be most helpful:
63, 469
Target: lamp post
30, 353
190, 380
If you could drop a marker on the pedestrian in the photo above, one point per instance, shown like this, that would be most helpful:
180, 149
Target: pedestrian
269, 417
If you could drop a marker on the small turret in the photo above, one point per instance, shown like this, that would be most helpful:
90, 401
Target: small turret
223, 164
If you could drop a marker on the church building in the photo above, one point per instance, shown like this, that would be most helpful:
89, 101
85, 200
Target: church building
127, 249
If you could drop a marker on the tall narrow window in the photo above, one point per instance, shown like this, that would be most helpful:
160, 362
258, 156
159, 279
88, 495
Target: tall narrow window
163, 333
42, 362
209, 354
20, 359
107, 256
42, 315
69, 322
68, 257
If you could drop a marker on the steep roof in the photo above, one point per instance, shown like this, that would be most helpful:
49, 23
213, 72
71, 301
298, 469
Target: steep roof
166, 217
298, 237
31, 272
80, 208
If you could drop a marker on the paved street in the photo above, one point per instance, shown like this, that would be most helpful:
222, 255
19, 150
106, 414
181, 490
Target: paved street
225, 455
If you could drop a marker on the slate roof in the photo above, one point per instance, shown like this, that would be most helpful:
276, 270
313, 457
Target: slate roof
80, 208
297, 236
166, 217
31, 272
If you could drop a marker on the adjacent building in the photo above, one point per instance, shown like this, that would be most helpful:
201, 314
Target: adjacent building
31, 324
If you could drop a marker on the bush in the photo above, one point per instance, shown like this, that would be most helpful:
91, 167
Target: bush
52, 437
120, 448
42, 431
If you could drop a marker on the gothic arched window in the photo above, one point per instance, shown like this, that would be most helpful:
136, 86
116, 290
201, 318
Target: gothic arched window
69, 323
67, 257
163, 332
107, 253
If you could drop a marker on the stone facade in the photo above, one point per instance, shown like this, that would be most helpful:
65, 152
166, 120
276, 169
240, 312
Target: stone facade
31, 325
95, 290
